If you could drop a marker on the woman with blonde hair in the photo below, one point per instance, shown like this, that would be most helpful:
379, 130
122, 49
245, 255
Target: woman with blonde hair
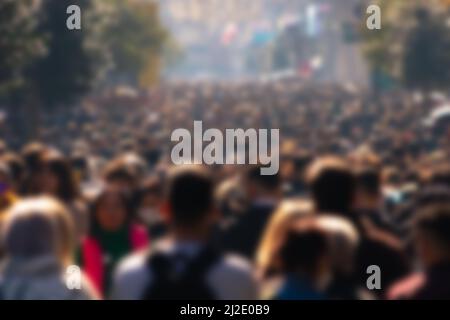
287, 213
38, 239
339, 242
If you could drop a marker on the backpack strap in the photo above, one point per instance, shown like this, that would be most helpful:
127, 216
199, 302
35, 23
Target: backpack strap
200, 265
167, 279
160, 265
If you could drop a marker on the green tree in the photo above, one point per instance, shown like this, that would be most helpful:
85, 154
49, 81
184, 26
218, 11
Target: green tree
136, 38
74, 58
383, 48
20, 44
391, 50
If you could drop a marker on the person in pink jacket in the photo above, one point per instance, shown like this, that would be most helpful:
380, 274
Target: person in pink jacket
112, 236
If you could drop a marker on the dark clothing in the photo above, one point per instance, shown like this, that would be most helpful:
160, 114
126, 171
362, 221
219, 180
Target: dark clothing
297, 288
242, 234
378, 247
344, 287
437, 284
377, 218
191, 283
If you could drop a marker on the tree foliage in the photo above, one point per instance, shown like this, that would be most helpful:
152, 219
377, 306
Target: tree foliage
136, 38
383, 48
412, 51
20, 44
57, 66
74, 58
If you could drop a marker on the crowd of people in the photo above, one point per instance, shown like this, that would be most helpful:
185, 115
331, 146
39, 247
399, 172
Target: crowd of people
364, 181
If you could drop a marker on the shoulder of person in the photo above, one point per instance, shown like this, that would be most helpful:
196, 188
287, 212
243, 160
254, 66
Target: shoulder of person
133, 264
233, 278
130, 277
234, 264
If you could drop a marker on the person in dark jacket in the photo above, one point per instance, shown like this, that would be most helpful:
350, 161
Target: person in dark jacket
333, 191
242, 234
432, 242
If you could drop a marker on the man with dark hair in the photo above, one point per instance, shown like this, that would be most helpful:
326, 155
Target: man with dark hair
431, 233
368, 198
183, 265
333, 186
241, 234
190, 196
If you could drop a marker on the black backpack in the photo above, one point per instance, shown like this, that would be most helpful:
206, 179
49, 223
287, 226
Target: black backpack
190, 284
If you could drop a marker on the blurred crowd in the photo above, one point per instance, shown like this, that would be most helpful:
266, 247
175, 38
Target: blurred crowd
364, 181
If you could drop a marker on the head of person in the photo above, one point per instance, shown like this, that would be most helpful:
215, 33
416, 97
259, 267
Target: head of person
111, 211
3, 148
119, 175
230, 196
5, 185
304, 251
32, 155
5, 175
368, 193
16, 169
260, 186
38, 227
343, 242
150, 199
431, 233
80, 166
57, 177
190, 201
287, 213
441, 176
332, 185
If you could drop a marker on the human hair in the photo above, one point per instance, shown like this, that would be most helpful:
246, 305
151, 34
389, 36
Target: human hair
190, 195
39, 226
265, 182
302, 247
367, 180
332, 184
287, 212
344, 239
433, 221
122, 196
16, 166
5, 172
119, 170
56, 163
31, 154
151, 185
441, 176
